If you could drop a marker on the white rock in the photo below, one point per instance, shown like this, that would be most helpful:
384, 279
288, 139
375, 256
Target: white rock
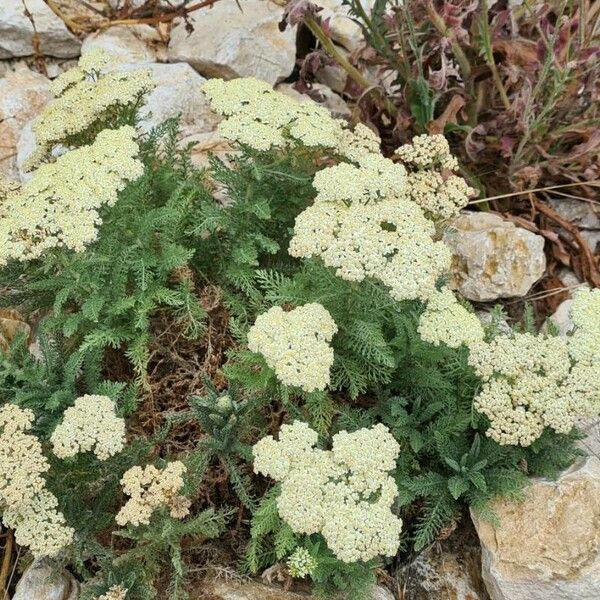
134, 44
16, 30
493, 258
333, 76
44, 580
343, 29
23, 95
177, 92
561, 317
322, 95
228, 42
547, 547
581, 213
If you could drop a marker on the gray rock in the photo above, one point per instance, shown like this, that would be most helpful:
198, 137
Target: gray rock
344, 30
132, 44
16, 31
493, 258
561, 317
178, 91
45, 580
321, 94
228, 42
23, 95
221, 589
548, 546
439, 574
583, 214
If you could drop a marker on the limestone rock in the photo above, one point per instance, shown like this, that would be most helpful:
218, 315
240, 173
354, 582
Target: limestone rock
44, 580
177, 92
319, 93
23, 95
493, 258
583, 214
17, 34
134, 44
547, 547
561, 318
228, 42
220, 589
590, 444
438, 574
343, 29
205, 144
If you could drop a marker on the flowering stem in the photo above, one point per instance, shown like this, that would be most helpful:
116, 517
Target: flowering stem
339, 57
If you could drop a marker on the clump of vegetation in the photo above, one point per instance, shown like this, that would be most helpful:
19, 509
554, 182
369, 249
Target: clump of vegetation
332, 421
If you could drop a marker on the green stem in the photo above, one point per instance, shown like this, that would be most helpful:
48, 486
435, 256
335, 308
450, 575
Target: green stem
339, 57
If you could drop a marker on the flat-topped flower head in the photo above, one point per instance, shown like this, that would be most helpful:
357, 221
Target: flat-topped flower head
428, 151
295, 344
531, 382
446, 321
88, 99
89, 425
59, 206
27, 506
345, 494
149, 489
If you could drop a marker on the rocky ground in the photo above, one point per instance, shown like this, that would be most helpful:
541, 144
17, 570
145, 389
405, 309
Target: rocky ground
547, 547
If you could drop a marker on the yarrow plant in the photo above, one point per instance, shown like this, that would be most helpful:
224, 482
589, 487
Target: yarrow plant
339, 394
295, 344
345, 494
149, 489
536, 381
58, 207
88, 99
26, 504
90, 424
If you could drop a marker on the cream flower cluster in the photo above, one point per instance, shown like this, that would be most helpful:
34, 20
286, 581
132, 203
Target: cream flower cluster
150, 488
446, 321
116, 592
345, 494
59, 206
85, 97
428, 151
533, 382
27, 506
295, 344
440, 195
261, 118
362, 224
90, 424
300, 563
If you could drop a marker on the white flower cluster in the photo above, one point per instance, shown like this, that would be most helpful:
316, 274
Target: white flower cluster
428, 151
116, 592
27, 506
345, 494
90, 424
362, 224
446, 321
441, 195
295, 344
150, 488
59, 206
300, 563
84, 97
533, 382
261, 118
